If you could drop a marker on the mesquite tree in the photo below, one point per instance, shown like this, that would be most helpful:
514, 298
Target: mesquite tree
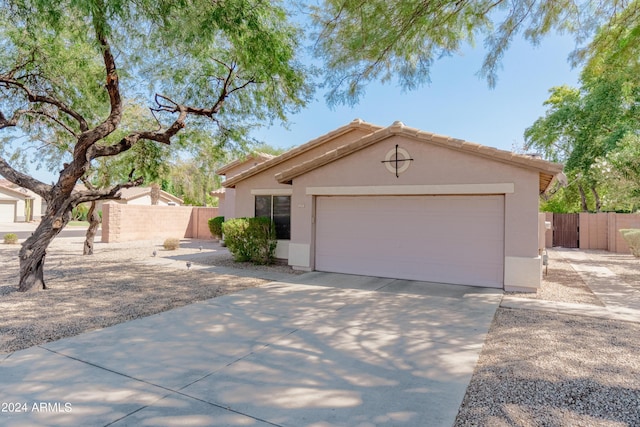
67, 65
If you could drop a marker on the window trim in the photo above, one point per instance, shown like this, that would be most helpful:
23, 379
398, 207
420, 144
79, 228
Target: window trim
271, 209
272, 192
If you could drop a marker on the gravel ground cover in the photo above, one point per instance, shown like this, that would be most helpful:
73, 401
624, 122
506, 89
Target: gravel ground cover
110, 287
545, 369
562, 284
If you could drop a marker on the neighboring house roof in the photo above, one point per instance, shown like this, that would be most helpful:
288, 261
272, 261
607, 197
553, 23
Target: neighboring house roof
257, 157
128, 194
15, 191
547, 170
355, 124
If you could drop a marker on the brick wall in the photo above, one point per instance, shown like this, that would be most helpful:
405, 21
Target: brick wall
123, 223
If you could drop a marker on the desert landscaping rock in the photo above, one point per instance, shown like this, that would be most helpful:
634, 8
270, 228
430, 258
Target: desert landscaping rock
547, 369
544, 369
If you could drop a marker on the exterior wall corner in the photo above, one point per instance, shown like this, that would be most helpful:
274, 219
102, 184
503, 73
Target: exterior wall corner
522, 274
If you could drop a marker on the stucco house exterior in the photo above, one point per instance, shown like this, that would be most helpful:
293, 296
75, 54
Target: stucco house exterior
402, 203
18, 204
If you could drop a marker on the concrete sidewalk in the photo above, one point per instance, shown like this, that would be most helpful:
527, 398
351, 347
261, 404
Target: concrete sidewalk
327, 350
621, 299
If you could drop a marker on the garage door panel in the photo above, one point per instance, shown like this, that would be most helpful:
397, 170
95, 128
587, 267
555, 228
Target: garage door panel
7, 211
450, 239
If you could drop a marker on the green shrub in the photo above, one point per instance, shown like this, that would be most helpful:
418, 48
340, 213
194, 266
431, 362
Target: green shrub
171, 244
632, 237
262, 238
11, 238
251, 239
79, 213
215, 226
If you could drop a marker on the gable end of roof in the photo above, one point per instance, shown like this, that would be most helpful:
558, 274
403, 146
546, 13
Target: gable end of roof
316, 142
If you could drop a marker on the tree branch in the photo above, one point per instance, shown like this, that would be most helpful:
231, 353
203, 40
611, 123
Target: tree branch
89, 137
107, 194
35, 98
24, 180
163, 137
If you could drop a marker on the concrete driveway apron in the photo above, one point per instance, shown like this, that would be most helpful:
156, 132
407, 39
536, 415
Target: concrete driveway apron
327, 350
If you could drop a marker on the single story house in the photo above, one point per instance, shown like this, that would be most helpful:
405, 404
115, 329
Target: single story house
402, 203
18, 204
142, 196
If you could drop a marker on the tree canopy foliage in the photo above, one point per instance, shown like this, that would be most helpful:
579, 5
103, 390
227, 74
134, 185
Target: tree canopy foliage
595, 131
363, 41
68, 67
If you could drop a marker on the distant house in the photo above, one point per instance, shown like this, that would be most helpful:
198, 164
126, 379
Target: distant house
142, 196
226, 196
18, 204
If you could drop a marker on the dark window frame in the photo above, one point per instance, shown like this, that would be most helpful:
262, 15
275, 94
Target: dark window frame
278, 209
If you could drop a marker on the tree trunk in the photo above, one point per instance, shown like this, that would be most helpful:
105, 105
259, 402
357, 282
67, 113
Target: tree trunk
155, 194
34, 251
94, 223
583, 198
597, 197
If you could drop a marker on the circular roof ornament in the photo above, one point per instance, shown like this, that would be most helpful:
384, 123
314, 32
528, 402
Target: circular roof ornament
397, 160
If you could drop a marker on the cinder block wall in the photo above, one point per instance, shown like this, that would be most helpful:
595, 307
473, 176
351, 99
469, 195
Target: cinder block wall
619, 222
123, 223
601, 230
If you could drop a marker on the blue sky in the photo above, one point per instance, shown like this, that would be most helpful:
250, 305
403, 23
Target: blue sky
456, 103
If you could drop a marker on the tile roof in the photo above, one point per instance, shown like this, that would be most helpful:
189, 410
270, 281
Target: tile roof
355, 124
547, 170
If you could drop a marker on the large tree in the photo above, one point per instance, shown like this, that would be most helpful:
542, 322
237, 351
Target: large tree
367, 40
592, 129
67, 65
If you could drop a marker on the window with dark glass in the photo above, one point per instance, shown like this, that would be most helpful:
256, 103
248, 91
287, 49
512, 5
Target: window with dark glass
278, 208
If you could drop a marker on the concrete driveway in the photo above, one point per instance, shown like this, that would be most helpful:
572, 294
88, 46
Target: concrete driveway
327, 350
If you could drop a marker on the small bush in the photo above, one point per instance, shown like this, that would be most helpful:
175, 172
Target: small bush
215, 226
262, 236
171, 244
632, 237
251, 239
79, 213
236, 239
11, 238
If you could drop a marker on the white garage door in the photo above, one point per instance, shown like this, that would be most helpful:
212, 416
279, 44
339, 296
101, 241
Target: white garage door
445, 239
7, 210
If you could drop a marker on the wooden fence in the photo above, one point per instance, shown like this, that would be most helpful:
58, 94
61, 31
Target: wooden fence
596, 230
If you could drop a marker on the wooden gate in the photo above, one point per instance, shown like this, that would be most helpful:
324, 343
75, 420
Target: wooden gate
566, 230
